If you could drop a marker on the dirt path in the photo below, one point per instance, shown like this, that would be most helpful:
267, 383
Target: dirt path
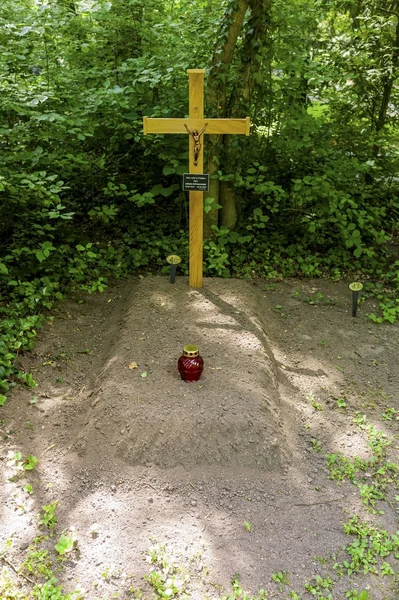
229, 472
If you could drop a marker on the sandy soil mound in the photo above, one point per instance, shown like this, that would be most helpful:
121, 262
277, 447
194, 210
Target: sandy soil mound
148, 415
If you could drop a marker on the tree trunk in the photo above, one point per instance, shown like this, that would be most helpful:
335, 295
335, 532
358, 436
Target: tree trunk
212, 166
389, 80
228, 212
216, 97
250, 62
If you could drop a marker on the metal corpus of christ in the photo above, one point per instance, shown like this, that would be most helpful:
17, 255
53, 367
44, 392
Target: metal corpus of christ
196, 127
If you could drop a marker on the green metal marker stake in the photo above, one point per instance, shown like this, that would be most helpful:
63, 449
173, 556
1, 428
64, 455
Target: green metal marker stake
355, 288
173, 260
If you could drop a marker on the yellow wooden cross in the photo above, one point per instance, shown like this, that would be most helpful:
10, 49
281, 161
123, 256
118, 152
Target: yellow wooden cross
195, 126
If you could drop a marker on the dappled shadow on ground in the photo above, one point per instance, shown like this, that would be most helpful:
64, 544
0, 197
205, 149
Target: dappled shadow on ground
135, 455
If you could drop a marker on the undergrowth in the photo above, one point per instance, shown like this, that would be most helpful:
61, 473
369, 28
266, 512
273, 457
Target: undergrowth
374, 476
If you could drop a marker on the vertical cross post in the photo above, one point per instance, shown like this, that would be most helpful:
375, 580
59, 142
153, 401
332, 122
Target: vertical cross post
196, 215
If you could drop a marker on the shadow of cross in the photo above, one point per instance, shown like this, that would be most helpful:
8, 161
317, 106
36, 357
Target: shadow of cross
196, 126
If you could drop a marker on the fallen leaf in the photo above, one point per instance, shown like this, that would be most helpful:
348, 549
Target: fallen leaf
133, 365
247, 526
144, 374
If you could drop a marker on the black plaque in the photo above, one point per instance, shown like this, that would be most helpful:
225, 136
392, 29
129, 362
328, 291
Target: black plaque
195, 182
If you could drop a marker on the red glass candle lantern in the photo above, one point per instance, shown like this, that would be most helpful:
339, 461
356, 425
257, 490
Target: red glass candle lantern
190, 364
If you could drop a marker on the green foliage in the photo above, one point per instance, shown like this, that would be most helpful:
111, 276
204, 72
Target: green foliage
390, 414
50, 591
217, 259
166, 578
320, 588
238, 593
210, 204
30, 462
370, 545
48, 518
38, 561
281, 577
355, 595
316, 444
65, 544
341, 403
377, 477
342, 468
247, 526
389, 309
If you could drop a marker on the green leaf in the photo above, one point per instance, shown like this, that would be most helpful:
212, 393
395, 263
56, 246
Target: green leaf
30, 462
143, 374
168, 170
65, 544
358, 252
168, 191
3, 268
181, 169
2, 400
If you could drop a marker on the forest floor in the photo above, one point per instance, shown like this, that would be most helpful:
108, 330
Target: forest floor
166, 484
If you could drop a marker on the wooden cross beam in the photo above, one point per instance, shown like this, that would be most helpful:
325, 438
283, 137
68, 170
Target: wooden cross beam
195, 126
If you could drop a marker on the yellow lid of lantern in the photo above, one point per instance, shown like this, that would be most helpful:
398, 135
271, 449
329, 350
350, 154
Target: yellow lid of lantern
190, 351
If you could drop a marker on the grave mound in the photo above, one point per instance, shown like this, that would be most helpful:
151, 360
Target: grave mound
140, 410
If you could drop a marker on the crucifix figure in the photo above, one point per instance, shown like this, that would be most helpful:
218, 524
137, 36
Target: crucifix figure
196, 126
197, 140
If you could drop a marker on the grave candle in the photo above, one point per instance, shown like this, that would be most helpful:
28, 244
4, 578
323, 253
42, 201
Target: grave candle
190, 364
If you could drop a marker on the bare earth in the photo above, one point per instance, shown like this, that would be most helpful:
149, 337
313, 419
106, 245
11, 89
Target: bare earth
138, 457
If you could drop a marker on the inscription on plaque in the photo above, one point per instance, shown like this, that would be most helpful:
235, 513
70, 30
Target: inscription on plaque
195, 182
